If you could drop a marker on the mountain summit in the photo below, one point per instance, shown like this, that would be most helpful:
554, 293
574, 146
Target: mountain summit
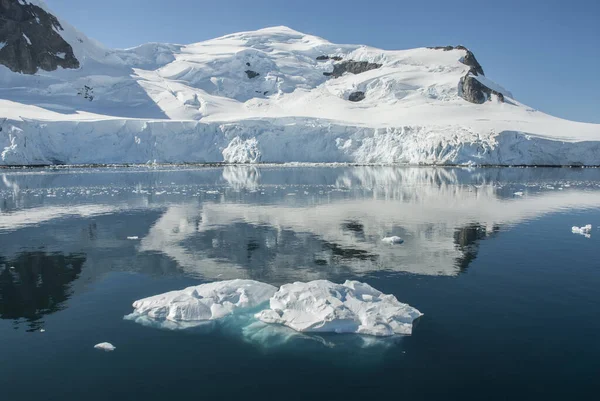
271, 95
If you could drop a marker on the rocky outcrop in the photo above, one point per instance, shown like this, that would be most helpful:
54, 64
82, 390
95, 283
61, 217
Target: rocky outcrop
251, 74
474, 91
469, 87
325, 58
30, 39
469, 59
351, 66
356, 96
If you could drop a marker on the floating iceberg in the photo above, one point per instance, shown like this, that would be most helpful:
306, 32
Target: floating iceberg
195, 306
585, 230
352, 307
392, 240
105, 347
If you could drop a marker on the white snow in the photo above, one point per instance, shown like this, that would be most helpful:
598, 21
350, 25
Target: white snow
519, 193
352, 307
27, 39
585, 230
195, 306
105, 347
392, 240
61, 55
195, 103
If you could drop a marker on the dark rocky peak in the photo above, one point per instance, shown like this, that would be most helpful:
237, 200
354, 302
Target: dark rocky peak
351, 66
30, 39
468, 60
474, 91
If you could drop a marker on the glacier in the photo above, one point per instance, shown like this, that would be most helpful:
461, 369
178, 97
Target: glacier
270, 96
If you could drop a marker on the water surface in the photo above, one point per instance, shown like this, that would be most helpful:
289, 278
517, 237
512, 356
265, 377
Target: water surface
510, 295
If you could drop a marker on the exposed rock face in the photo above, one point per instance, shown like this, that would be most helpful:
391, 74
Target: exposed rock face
470, 88
475, 92
351, 66
251, 74
30, 39
356, 96
469, 59
324, 58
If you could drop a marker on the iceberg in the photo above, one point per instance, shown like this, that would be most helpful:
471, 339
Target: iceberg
392, 240
198, 305
352, 307
105, 347
585, 230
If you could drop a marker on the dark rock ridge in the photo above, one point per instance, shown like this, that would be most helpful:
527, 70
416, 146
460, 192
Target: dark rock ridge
469, 87
356, 96
31, 40
324, 58
351, 66
251, 74
474, 91
469, 59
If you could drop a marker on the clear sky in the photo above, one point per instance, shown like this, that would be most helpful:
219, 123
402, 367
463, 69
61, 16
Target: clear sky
547, 52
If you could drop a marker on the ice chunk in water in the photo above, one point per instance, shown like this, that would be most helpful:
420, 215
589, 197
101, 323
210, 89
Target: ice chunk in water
392, 240
105, 347
352, 307
195, 306
585, 230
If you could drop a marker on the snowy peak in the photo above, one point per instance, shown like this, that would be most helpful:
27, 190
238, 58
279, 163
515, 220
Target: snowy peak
271, 95
30, 39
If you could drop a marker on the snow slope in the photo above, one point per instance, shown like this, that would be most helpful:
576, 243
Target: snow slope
203, 102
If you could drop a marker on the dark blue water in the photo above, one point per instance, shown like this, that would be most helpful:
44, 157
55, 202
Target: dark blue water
510, 296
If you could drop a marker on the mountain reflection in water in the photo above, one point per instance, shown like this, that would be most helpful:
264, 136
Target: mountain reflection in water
274, 224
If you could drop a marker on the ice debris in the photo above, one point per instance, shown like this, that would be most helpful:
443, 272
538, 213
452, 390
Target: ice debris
518, 193
133, 237
352, 307
198, 305
392, 240
105, 347
585, 230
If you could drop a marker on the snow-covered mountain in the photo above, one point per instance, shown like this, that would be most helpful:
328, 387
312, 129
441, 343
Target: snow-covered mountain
272, 95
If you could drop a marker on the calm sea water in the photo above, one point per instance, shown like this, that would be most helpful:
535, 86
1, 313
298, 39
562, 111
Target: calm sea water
511, 296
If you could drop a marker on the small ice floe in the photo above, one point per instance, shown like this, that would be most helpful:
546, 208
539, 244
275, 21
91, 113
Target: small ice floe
134, 237
42, 331
392, 240
585, 230
518, 193
105, 347
212, 192
352, 307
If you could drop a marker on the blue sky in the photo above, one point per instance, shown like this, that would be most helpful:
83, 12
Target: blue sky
547, 52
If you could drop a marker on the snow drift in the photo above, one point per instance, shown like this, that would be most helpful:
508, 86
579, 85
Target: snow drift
271, 95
